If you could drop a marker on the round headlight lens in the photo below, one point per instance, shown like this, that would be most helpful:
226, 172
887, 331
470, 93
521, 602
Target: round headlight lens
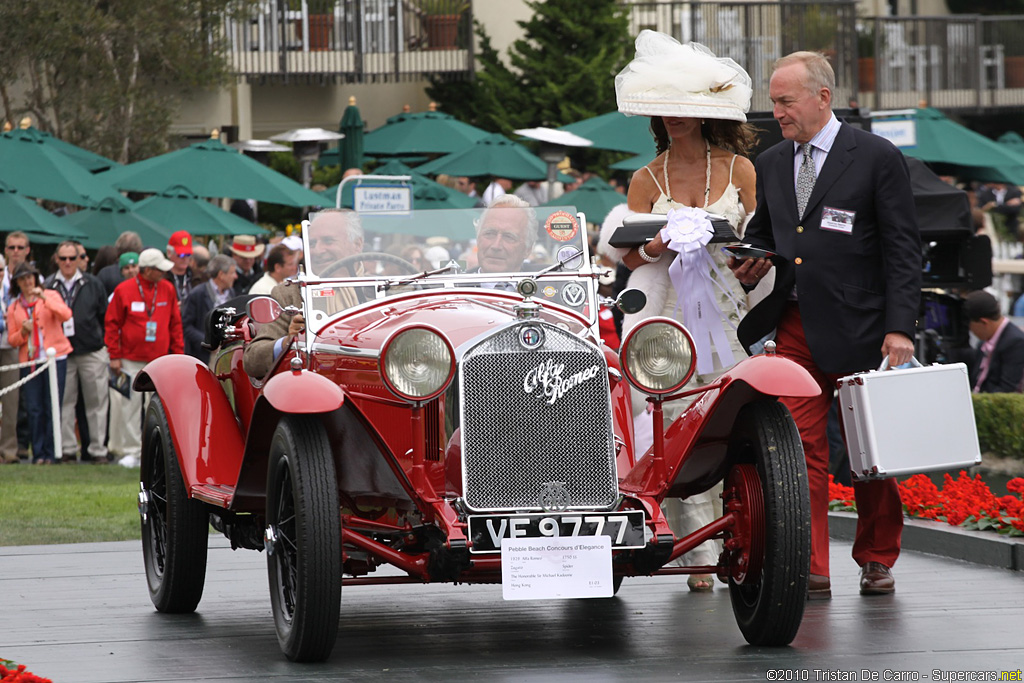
417, 364
658, 356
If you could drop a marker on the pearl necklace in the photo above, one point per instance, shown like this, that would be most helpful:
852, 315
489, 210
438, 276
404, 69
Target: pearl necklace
707, 182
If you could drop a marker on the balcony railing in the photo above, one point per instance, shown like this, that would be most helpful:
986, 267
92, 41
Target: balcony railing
955, 62
951, 62
348, 40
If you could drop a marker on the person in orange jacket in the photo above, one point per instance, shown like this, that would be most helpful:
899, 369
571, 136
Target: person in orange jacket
35, 322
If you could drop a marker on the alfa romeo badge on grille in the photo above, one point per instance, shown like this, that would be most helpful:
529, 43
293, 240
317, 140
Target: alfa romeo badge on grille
531, 336
553, 496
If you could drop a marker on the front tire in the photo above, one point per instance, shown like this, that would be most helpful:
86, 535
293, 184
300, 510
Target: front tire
303, 539
769, 604
175, 529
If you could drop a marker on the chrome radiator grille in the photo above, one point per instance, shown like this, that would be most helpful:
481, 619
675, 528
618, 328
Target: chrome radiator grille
534, 418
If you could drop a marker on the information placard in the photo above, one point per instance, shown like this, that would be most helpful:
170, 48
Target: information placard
382, 198
550, 568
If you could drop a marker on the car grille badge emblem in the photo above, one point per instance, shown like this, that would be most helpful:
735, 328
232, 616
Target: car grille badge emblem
553, 496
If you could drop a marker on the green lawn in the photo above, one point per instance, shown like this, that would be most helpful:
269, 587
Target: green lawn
42, 505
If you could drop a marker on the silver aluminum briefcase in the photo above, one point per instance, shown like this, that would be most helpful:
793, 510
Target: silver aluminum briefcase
900, 422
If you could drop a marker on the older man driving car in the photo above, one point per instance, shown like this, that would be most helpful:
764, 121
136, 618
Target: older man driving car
505, 235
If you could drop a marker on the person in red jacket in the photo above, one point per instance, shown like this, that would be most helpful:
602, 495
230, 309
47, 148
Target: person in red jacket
143, 322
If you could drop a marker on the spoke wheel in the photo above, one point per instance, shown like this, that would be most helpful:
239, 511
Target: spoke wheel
768, 575
303, 539
175, 529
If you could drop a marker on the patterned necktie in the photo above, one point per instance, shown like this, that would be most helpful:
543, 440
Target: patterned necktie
804, 179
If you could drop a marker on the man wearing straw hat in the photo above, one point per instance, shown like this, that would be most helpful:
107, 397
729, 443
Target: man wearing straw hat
246, 252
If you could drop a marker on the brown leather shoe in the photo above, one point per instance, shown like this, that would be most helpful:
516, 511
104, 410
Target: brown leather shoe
876, 579
819, 587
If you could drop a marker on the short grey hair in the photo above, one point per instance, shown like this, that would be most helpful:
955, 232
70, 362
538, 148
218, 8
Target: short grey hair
511, 201
353, 222
819, 71
221, 263
128, 241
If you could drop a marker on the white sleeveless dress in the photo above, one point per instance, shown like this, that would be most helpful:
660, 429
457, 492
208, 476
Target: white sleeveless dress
685, 516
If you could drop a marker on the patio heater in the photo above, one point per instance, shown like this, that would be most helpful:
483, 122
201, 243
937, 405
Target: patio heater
259, 149
306, 147
554, 144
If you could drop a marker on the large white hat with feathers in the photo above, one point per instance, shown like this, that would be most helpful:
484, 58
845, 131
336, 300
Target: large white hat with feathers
667, 78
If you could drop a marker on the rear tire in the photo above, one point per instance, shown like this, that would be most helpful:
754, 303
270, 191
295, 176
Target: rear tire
175, 531
769, 606
304, 558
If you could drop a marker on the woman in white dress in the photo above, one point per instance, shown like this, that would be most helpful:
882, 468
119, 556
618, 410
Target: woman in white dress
697, 104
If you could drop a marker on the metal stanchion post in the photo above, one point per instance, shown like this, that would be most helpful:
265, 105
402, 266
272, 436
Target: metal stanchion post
51, 355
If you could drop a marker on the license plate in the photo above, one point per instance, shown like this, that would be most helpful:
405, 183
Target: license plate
625, 529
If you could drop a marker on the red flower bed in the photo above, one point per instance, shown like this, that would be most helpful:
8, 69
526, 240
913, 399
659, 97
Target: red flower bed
18, 674
965, 501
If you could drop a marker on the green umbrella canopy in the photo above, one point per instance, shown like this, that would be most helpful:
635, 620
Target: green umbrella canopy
1012, 140
32, 164
179, 207
494, 155
948, 147
212, 169
426, 194
595, 198
351, 147
102, 224
429, 132
617, 132
90, 161
633, 163
21, 213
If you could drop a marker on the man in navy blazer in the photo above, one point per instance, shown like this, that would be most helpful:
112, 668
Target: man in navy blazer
847, 285
999, 366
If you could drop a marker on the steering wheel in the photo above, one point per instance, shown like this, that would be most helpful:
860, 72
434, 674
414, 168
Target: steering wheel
332, 269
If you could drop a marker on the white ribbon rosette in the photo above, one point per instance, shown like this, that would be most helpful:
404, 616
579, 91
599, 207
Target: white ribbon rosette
688, 232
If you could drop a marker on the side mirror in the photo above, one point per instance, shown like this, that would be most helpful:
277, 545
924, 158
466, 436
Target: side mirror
263, 310
631, 301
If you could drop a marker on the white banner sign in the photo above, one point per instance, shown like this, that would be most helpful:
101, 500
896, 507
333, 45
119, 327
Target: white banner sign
388, 198
556, 567
900, 132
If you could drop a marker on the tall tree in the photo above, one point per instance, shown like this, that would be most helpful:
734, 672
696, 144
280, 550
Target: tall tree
561, 71
106, 74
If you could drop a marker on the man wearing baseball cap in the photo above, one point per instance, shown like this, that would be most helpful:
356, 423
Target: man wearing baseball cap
179, 252
143, 322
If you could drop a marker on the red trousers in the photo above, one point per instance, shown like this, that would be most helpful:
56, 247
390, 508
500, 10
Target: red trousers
879, 509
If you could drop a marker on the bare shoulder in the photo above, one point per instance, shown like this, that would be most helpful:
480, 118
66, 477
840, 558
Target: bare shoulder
743, 172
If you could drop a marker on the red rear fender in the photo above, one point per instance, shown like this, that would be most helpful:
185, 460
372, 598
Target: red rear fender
203, 427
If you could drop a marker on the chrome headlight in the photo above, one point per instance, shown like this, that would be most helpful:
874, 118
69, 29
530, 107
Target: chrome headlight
417, 363
657, 356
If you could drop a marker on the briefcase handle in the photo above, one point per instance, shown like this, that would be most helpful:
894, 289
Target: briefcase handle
885, 363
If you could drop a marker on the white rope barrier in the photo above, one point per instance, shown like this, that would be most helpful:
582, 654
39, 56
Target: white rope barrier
51, 365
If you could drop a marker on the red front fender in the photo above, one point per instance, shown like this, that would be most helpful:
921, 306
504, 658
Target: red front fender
303, 392
696, 444
203, 427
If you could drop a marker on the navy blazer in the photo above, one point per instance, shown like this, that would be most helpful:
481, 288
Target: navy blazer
1006, 368
197, 308
855, 286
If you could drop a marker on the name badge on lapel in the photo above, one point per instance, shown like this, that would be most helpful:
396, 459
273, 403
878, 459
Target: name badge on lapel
837, 220
138, 307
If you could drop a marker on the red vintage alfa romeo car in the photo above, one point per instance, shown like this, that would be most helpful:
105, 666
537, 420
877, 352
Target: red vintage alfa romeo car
468, 427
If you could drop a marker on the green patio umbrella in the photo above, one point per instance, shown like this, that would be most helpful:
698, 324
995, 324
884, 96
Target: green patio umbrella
1013, 141
179, 207
350, 149
429, 132
494, 155
212, 169
21, 213
90, 161
595, 198
633, 163
426, 194
950, 148
102, 224
33, 165
616, 132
